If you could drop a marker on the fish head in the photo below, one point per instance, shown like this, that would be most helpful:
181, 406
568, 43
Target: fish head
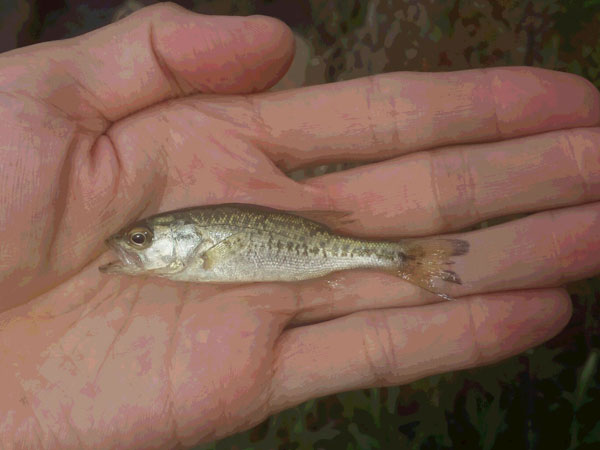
144, 247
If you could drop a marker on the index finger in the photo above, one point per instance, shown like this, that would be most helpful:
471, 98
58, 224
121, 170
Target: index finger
389, 115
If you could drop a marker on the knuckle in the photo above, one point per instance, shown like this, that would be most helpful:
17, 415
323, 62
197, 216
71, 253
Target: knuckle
475, 354
165, 9
379, 349
581, 147
454, 189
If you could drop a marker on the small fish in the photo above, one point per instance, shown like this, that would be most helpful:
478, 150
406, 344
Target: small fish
248, 243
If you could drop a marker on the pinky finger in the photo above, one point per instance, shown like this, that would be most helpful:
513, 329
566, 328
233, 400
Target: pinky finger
396, 346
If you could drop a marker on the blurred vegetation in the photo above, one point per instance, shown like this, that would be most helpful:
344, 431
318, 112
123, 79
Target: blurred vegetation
545, 398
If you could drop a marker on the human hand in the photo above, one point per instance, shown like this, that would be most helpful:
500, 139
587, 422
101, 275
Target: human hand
102, 129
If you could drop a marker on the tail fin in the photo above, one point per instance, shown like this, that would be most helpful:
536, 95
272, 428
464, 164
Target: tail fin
424, 262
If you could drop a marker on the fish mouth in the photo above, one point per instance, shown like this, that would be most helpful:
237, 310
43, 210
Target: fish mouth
112, 267
127, 262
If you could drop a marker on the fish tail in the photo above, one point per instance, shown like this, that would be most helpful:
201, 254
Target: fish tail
424, 262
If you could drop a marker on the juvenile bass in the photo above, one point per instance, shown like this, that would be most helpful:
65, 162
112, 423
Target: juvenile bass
247, 243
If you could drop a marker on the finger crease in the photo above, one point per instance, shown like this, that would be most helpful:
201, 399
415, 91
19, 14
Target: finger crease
487, 75
261, 129
393, 112
121, 174
136, 297
477, 357
585, 183
64, 181
381, 361
176, 88
436, 193
556, 254
95, 101
371, 88
468, 194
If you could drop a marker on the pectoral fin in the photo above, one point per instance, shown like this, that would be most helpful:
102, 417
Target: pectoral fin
225, 249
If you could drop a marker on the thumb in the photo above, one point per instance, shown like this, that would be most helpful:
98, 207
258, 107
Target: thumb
157, 53
56, 181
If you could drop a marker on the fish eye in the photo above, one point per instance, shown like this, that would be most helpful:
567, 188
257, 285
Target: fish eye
140, 237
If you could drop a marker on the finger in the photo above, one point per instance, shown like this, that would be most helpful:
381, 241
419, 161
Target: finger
453, 187
389, 347
389, 115
543, 250
347, 292
157, 53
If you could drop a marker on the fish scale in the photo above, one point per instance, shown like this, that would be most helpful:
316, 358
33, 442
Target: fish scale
248, 243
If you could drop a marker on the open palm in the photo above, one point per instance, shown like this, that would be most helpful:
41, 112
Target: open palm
133, 119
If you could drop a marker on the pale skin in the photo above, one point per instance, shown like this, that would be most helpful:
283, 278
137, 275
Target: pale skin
100, 130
